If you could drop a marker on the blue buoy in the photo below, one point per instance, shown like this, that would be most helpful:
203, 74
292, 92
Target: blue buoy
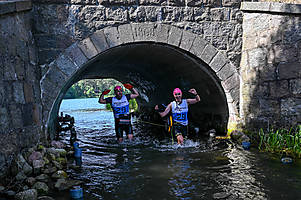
246, 145
76, 193
286, 160
75, 145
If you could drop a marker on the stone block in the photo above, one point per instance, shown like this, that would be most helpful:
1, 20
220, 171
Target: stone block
112, 36
28, 93
279, 89
53, 80
255, 6
144, 32
172, 14
4, 119
15, 116
7, 7
37, 114
152, 2
295, 87
198, 46
18, 92
231, 82
226, 71
218, 61
289, 70
27, 115
175, 36
65, 65
117, 14
187, 40
125, 33
47, 55
291, 106
99, 40
231, 3
76, 55
161, 32
23, 5
19, 68
88, 48
208, 53
209, 3
176, 2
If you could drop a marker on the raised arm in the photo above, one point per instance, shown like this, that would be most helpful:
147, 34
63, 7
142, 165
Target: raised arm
101, 98
196, 99
134, 92
165, 112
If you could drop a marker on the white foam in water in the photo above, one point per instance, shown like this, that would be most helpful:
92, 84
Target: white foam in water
168, 146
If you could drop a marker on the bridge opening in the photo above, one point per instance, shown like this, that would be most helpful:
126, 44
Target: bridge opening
155, 70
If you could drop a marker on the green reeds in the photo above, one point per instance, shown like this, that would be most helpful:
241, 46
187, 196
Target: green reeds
282, 141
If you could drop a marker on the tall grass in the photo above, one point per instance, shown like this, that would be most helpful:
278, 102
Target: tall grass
282, 141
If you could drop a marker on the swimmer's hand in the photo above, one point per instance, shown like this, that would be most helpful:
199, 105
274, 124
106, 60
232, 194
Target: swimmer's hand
193, 91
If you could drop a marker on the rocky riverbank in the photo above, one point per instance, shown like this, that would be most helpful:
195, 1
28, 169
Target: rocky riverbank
39, 172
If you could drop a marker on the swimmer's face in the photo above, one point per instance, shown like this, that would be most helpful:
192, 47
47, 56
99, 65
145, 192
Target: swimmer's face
118, 93
177, 96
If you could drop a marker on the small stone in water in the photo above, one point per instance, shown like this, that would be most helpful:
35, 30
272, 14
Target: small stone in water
220, 195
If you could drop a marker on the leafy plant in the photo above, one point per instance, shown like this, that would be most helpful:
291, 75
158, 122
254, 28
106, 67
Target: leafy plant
282, 141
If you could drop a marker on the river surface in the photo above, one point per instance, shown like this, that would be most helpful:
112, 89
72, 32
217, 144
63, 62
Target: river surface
152, 168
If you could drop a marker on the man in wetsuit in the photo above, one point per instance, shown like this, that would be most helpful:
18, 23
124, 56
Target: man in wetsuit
179, 111
120, 106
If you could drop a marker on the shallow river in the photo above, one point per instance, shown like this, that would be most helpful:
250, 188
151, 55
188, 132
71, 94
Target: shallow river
149, 168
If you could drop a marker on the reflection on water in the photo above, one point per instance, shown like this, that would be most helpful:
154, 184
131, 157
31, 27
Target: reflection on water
148, 168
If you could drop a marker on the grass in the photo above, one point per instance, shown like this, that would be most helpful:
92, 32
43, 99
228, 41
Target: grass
281, 141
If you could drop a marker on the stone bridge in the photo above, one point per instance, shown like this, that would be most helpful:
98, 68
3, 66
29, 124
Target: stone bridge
242, 57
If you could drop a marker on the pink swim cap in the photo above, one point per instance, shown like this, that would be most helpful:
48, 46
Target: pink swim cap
177, 90
118, 88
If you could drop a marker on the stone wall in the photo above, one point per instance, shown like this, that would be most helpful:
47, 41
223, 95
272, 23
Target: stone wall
59, 23
271, 65
20, 107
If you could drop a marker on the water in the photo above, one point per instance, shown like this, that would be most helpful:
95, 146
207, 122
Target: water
149, 168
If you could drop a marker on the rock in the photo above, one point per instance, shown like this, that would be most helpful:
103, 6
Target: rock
62, 152
30, 194
59, 174
236, 134
35, 156
65, 184
41, 188
2, 189
50, 170
53, 151
21, 165
43, 177
38, 165
221, 195
57, 164
31, 181
10, 193
21, 176
45, 198
62, 161
58, 144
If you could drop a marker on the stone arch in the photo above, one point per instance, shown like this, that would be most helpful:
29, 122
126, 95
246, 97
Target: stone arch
72, 60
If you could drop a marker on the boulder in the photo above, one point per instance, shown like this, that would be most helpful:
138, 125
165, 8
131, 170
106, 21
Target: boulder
30, 194
41, 187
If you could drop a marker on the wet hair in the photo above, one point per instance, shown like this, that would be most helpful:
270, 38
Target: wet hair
177, 90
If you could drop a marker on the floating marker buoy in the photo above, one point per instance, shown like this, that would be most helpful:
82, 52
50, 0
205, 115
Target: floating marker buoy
286, 160
76, 192
246, 145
